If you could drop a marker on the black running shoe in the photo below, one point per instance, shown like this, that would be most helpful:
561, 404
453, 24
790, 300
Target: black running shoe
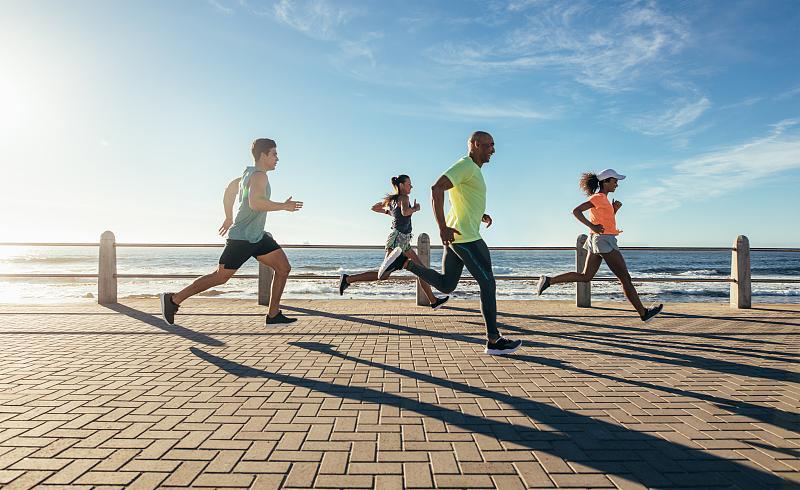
279, 318
439, 302
544, 283
168, 308
502, 346
393, 262
343, 284
651, 312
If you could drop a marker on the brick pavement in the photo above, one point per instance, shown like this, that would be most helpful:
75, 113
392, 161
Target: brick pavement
362, 394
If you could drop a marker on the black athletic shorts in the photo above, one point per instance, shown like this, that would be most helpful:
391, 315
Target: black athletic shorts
237, 252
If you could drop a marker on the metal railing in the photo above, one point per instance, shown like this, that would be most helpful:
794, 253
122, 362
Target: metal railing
107, 276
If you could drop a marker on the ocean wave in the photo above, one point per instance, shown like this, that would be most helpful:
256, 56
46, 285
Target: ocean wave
782, 292
681, 271
703, 272
500, 270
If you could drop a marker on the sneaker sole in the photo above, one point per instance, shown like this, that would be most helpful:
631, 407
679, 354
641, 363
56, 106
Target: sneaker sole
163, 298
388, 261
498, 352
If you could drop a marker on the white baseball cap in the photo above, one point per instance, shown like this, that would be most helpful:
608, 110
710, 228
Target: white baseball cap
609, 173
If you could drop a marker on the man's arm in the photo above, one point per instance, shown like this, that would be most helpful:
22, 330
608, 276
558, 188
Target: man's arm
258, 197
437, 201
227, 203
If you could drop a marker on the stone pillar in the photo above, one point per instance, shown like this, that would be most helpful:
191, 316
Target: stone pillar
107, 270
583, 290
741, 290
424, 254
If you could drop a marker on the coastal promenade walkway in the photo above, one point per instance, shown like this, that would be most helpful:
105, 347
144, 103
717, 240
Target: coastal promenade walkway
385, 394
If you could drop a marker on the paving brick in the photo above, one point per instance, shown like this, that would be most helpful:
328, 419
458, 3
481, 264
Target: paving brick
595, 398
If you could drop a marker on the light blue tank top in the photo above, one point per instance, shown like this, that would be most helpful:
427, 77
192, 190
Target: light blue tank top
248, 224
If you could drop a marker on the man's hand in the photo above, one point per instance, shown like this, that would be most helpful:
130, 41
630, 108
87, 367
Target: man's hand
226, 225
487, 219
447, 235
292, 206
597, 229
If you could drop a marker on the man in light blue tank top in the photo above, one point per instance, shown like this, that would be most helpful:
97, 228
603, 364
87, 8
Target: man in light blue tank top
246, 235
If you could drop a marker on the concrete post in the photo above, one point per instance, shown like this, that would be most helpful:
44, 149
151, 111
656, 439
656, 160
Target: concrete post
265, 275
741, 290
107, 270
583, 290
424, 254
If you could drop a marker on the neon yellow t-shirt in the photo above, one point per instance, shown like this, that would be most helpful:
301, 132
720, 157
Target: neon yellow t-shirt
467, 200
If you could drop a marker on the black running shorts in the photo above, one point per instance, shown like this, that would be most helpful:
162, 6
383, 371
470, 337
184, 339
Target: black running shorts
237, 252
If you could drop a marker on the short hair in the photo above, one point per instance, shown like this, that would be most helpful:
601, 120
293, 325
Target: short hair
262, 145
478, 135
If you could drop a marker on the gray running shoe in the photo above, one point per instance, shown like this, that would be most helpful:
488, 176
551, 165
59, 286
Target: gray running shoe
439, 302
343, 284
279, 318
502, 346
544, 283
651, 312
168, 308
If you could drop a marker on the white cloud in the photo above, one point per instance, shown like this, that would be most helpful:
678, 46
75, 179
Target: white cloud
318, 19
720, 172
672, 120
506, 111
605, 50
222, 8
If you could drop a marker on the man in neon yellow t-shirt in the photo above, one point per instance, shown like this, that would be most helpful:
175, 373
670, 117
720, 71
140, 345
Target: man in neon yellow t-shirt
460, 233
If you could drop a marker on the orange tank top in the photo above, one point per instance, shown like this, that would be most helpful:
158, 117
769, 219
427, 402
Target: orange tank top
603, 214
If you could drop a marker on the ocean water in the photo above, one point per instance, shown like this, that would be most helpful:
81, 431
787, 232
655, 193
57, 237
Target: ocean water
199, 261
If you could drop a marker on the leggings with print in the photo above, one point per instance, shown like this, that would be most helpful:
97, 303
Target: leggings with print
475, 255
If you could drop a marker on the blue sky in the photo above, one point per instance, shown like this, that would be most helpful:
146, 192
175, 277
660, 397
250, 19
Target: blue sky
133, 116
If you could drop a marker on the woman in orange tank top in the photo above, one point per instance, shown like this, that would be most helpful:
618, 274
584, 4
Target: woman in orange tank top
602, 241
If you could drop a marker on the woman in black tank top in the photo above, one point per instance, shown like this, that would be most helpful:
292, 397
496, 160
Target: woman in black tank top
398, 206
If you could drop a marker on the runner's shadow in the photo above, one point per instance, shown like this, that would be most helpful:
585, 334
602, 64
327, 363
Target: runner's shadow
601, 445
392, 326
160, 324
563, 319
661, 356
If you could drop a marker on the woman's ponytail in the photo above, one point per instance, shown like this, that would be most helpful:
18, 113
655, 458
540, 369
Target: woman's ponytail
589, 183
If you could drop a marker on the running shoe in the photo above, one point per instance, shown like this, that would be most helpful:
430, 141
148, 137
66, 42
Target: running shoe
279, 318
439, 302
651, 312
168, 308
544, 283
502, 346
343, 284
393, 262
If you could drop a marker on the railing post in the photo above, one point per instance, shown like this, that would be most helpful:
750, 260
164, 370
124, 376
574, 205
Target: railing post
107, 270
741, 291
424, 254
583, 290
265, 275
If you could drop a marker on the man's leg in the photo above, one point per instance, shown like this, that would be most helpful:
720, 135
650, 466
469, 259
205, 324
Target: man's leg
279, 263
452, 266
216, 278
475, 256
